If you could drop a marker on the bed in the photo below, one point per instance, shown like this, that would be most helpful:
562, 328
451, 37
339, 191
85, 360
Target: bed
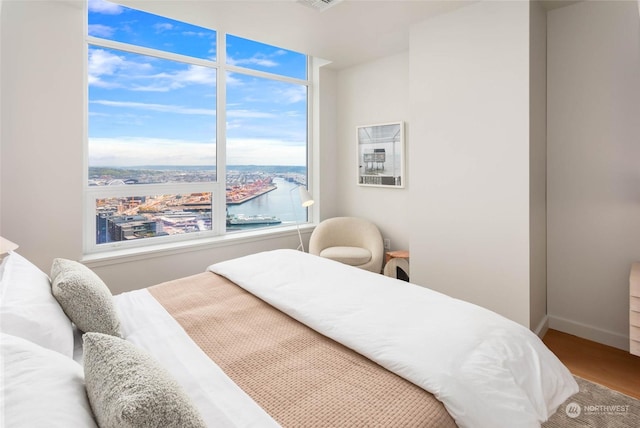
279, 338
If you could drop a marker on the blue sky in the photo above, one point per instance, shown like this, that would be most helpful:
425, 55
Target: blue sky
149, 111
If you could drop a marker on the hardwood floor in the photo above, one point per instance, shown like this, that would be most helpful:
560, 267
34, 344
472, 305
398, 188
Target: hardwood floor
608, 366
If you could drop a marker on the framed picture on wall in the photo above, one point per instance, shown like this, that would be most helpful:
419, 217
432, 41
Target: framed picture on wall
381, 155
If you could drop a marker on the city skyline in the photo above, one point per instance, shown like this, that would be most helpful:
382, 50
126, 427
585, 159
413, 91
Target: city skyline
195, 173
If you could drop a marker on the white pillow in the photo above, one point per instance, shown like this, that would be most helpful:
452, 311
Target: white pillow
41, 388
29, 310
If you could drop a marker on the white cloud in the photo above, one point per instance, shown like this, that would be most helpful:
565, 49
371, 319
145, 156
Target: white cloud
99, 30
164, 82
163, 108
161, 82
196, 74
138, 75
198, 34
252, 114
258, 151
103, 63
294, 94
233, 81
102, 6
258, 59
163, 26
128, 151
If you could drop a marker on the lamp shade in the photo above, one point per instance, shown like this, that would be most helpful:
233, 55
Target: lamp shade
6, 245
305, 197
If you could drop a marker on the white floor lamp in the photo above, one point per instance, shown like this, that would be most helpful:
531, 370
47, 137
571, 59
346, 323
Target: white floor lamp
305, 201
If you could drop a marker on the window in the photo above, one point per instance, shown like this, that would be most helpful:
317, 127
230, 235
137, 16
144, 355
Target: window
184, 142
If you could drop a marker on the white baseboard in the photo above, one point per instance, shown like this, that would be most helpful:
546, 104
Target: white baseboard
589, 332
542, 328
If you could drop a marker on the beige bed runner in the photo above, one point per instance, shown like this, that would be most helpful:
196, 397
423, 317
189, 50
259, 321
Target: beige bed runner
301, 378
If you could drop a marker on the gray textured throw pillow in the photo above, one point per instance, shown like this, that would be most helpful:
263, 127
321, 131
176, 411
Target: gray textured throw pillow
128, 388
58, 266
84, 297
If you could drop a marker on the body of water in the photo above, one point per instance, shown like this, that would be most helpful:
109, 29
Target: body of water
276, 203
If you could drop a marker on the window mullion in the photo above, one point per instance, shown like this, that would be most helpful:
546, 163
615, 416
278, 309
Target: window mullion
264, 74
125, 47
220, 203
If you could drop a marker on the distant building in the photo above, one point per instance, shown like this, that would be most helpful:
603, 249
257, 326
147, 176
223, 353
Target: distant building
102, 224
124, 228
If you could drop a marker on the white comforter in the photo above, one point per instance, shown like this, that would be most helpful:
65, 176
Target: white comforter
487, 370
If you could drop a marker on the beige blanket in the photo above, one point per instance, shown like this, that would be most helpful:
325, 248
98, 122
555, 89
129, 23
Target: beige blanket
301, 378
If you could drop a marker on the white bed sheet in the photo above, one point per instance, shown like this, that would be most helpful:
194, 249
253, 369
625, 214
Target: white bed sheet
487, 370
220, 401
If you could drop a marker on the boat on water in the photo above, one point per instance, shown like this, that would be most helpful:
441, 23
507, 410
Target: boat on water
241, 219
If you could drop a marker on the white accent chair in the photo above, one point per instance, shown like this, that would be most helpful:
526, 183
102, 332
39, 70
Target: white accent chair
350, 240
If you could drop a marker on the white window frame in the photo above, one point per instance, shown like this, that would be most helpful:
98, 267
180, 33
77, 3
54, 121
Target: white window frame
217, 188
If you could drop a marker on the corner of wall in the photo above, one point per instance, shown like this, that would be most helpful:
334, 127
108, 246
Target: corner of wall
542, 327
537, 162
589, 332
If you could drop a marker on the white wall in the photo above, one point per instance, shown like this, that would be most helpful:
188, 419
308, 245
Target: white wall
42, 104
326, 193
469, 205
593, 167
371, 93
42, 92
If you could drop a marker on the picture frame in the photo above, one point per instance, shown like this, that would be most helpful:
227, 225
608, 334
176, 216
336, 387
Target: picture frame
380, 155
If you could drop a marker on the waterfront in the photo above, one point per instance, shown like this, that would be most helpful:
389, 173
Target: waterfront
251, 193
275, 203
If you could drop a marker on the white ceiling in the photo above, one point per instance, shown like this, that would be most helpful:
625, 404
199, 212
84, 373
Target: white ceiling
348, 33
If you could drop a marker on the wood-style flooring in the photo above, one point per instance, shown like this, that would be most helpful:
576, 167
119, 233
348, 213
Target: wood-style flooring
608, 366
